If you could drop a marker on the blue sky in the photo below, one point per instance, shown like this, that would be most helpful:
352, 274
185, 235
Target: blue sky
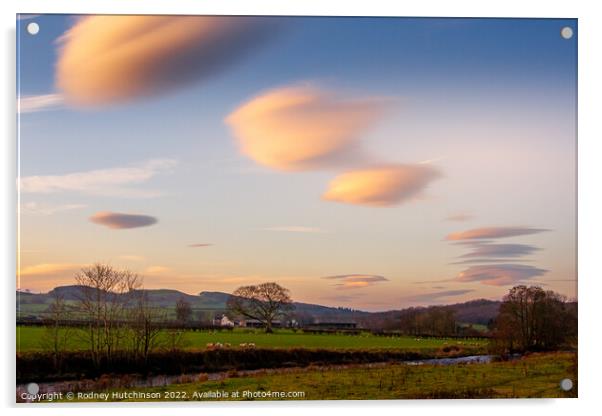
487, 104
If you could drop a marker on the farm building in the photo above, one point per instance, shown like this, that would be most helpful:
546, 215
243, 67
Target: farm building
223, 320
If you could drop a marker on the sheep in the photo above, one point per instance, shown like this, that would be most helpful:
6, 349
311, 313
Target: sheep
247, 345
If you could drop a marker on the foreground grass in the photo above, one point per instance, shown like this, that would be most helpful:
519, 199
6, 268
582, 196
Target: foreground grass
534, 376
29, 340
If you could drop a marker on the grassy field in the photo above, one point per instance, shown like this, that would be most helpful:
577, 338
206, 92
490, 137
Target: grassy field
537, 375
29, 339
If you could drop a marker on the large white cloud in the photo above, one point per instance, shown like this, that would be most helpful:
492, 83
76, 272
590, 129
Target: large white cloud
381, 186
108, 59
303, 127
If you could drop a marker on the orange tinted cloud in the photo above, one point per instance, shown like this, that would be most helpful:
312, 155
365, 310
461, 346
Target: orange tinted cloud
356, 281
298, 128
45, 276
107, 59
50, 269
157, 270
381, 186
493, 232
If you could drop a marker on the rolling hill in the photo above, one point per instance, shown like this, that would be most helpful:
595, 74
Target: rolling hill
207, 304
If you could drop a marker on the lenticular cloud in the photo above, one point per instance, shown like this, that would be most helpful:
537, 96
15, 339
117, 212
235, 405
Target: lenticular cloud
382, 185
302, 127
118, 221
108, 59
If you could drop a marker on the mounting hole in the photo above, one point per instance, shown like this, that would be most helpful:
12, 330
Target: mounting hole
566, 32
33, 28
566, 384
33, 388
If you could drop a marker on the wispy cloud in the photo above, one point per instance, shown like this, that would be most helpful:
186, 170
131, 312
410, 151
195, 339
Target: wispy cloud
356, 281
105, 182
490, 260
197, 245
501, 250
303, 127
381, 186
295, 229
132, 257
157, 270
438, 296
120, 221
35, 208
51, 269
109, 59
493, 232
46, 276
459, 217
500, 274
36, 103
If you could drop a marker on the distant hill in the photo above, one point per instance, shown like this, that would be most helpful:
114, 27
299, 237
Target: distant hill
480, 311
206, 304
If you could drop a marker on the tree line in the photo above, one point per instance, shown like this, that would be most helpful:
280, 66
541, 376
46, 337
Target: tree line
532, 319
118, 317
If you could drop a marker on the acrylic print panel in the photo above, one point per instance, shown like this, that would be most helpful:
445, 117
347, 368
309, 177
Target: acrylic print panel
296, 208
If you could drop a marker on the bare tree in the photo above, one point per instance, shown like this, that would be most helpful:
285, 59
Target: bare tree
265, 303
533, 319
105, 295
434, 320
183, 310
145, 322
56, 333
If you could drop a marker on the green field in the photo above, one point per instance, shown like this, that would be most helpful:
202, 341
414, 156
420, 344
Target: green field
537, 375
29, 339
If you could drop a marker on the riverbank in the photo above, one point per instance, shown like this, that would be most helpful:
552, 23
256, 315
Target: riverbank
534, 375
40, 366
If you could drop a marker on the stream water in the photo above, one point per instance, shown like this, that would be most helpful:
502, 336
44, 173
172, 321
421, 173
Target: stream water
129, 381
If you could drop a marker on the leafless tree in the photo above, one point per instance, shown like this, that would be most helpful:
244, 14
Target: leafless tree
265, 303
56, 333
145, 325
533, 319
105, 295
434, 320
183, 310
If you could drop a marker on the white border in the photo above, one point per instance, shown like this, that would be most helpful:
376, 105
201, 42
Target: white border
590, 201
